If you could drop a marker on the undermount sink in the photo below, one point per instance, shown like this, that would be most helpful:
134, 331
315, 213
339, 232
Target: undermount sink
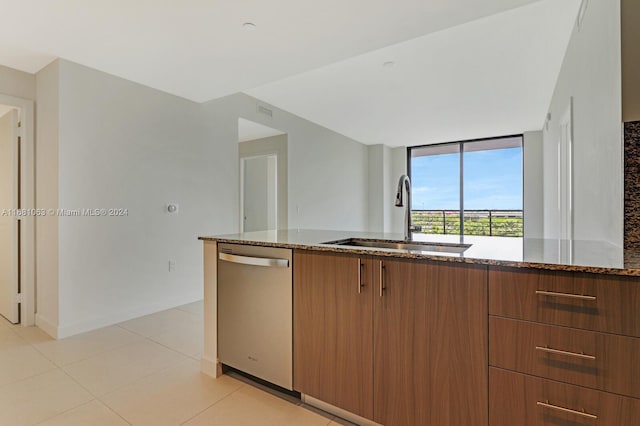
403, 245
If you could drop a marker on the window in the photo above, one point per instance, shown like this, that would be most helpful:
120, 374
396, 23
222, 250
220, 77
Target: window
468, 188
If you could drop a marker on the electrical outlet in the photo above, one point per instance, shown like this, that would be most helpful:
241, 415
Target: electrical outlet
172, 265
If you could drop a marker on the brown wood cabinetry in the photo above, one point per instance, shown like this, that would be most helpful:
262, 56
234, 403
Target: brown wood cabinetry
430, 334
587, 358
523, 400
408, 347
333, 337
589, 301
551, 331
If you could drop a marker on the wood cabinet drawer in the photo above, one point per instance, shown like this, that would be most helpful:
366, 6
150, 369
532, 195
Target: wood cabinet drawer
597, 360
519, 399
588, 301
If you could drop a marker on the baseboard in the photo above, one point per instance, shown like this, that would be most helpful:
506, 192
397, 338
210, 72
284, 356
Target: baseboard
47, 326
210, 367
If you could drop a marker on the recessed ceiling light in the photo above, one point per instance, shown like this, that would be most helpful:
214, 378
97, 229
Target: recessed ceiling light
389, 64
249, 26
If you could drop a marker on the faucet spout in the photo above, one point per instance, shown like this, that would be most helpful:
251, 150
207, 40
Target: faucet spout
404, 180
408, 227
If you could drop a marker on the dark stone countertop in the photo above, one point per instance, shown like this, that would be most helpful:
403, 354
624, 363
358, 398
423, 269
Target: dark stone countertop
557, 255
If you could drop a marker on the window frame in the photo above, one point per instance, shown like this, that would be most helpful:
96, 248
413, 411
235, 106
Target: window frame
461, 151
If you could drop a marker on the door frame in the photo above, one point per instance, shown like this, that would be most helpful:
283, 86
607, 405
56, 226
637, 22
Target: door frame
27, 196
277, 145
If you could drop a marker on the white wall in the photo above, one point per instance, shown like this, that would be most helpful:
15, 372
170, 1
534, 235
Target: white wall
123, 145
109, 143
377, 189
533, 181
327, 171
386, 165
48, 112
398, 168
591, 74
17, 83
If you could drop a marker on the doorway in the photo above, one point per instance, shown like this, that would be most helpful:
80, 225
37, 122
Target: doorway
17, 211
263, 177
259, 182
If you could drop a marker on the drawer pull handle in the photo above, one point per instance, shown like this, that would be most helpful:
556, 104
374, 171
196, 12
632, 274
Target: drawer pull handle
567, 295
559, 352
359, 276
382, 287
567, 410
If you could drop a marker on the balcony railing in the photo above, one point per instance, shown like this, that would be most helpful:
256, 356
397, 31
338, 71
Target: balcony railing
497, 223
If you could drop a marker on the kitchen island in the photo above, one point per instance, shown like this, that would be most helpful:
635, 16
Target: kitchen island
550, 254
510, 331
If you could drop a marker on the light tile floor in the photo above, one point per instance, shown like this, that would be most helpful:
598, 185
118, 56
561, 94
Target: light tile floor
145, 371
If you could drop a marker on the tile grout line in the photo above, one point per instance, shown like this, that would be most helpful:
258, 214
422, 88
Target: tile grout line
98, 398
117, 388
81, 405
63, 412
150, 339
170, 348
78, 360
29, 377
116, 413
80, 385
283, 397
215, 403
28, 343
143, 338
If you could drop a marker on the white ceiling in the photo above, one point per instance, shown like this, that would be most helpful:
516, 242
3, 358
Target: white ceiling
197, 49
249, 130
494, 76
464, 68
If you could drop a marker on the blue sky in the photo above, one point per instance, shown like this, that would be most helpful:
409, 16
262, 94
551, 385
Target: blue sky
493, 180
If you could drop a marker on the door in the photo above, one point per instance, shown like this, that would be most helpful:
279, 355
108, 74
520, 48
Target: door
333, 335
259, 193
430, 344
9, 225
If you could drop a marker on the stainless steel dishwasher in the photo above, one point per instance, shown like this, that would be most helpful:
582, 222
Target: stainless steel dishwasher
255, 309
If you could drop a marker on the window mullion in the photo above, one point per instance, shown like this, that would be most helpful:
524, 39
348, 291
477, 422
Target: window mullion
461, 189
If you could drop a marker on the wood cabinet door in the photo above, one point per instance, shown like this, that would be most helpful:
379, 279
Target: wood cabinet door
430, 344
333, 333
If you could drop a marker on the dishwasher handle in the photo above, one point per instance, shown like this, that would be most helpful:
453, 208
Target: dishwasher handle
254, 261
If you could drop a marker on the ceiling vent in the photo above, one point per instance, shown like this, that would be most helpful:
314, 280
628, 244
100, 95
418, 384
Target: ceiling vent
264, 111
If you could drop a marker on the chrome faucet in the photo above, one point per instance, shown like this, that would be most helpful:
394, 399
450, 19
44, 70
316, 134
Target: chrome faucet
408, 227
